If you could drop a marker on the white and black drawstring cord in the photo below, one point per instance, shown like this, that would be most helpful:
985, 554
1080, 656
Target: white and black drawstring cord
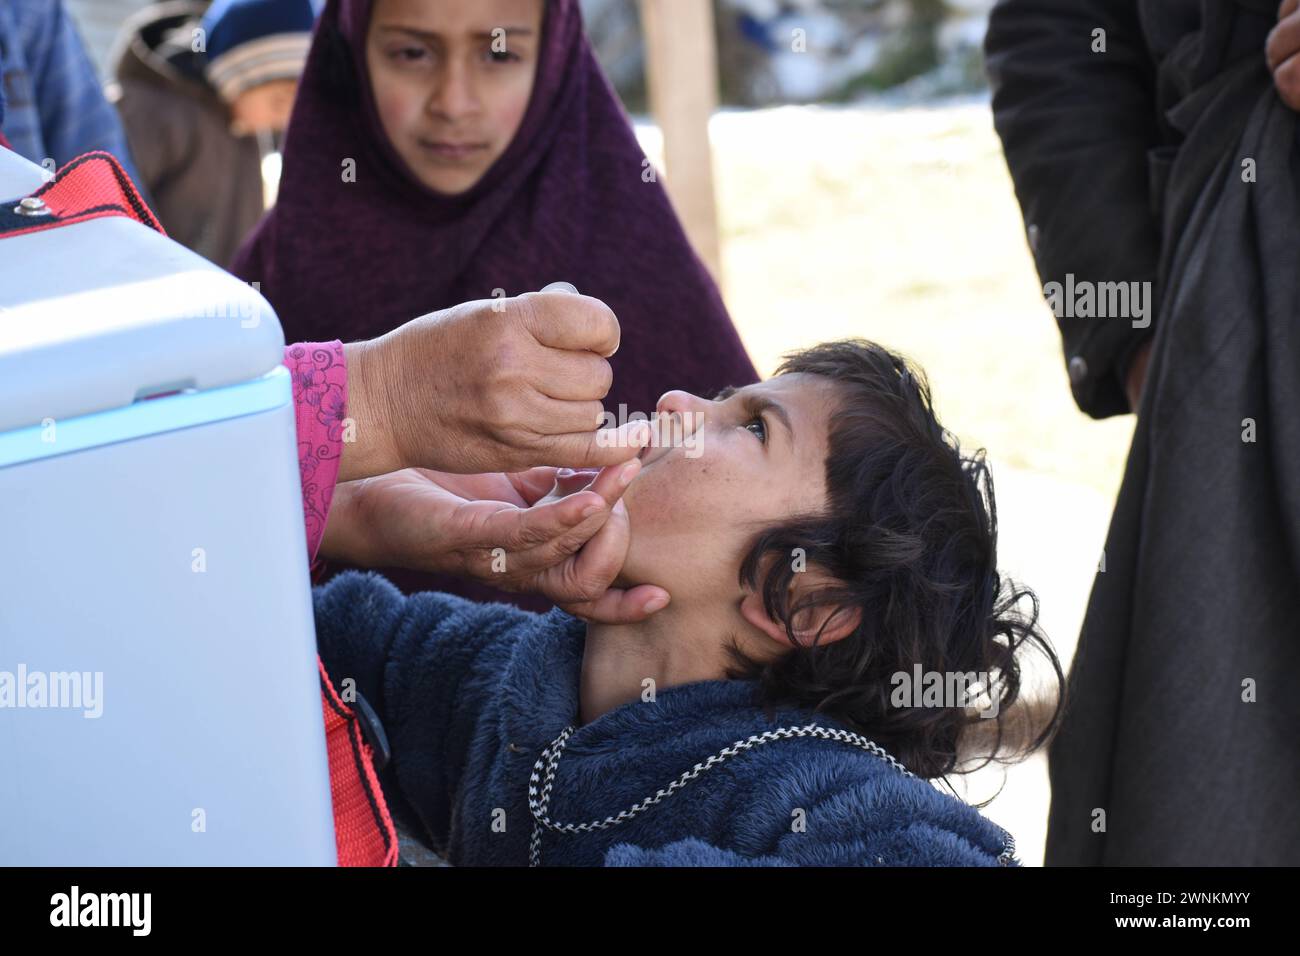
541, 782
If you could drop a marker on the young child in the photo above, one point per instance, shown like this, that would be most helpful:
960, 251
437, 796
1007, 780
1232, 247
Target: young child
204, 91
821, 536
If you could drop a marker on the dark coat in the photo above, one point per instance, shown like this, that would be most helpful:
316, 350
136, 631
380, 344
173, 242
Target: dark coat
1181, 745
203, 182
472, 696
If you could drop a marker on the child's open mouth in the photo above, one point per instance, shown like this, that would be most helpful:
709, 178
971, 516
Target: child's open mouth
653, 452
668, 432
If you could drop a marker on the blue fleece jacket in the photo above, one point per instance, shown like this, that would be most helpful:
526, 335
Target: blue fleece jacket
474, 698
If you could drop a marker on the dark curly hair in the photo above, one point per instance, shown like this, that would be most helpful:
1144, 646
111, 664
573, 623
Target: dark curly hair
909, 536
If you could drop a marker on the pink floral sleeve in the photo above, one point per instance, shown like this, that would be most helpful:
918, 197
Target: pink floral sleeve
320, 397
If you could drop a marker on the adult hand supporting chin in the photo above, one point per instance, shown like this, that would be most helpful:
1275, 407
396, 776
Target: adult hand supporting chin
449, 410
489, 386
561, 535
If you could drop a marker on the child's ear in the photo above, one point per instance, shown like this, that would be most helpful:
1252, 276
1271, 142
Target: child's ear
837, 620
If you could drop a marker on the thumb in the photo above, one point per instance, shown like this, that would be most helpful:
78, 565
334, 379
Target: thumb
600, 560
597, 449
596, 567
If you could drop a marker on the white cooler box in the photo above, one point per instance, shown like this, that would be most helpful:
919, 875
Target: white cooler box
159, 696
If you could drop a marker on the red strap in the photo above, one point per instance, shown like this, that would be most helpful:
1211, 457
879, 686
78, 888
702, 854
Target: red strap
94, 186
363, 829
90, 187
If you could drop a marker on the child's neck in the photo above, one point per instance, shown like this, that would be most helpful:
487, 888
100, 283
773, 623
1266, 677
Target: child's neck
674, 646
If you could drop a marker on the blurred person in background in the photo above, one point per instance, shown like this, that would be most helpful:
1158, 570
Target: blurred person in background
1154, 145
54, 107
205, 93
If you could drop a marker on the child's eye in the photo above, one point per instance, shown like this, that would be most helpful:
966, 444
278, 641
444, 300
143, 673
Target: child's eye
408, 54
762, 428
501, 56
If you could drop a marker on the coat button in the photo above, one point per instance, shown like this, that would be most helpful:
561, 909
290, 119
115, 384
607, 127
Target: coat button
1032, 232
1078, 371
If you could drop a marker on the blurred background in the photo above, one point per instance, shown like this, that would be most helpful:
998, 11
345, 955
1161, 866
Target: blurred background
915, 48
842, 177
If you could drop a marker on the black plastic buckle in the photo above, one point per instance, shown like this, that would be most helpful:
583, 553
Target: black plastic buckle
372, 730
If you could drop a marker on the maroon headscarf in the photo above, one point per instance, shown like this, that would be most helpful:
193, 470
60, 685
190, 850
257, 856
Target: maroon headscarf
565, 201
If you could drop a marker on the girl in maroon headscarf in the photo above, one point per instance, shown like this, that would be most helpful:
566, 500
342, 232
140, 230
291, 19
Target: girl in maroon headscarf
448, 150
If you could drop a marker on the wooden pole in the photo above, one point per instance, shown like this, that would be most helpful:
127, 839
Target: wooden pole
682, 78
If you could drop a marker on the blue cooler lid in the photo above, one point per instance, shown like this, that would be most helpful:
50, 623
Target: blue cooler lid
102, 314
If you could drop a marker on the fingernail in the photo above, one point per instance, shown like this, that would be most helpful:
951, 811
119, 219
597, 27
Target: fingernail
590, 510
628, 473
656, 604
564, 472
619, 507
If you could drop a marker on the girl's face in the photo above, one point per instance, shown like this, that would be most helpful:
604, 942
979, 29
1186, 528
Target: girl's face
451, 81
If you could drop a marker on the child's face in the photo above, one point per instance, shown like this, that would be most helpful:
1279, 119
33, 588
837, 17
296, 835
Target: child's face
451, 81
735, 469
265, 106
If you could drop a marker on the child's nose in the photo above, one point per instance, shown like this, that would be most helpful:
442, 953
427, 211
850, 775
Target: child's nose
455, 95
680, 402
680, 415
